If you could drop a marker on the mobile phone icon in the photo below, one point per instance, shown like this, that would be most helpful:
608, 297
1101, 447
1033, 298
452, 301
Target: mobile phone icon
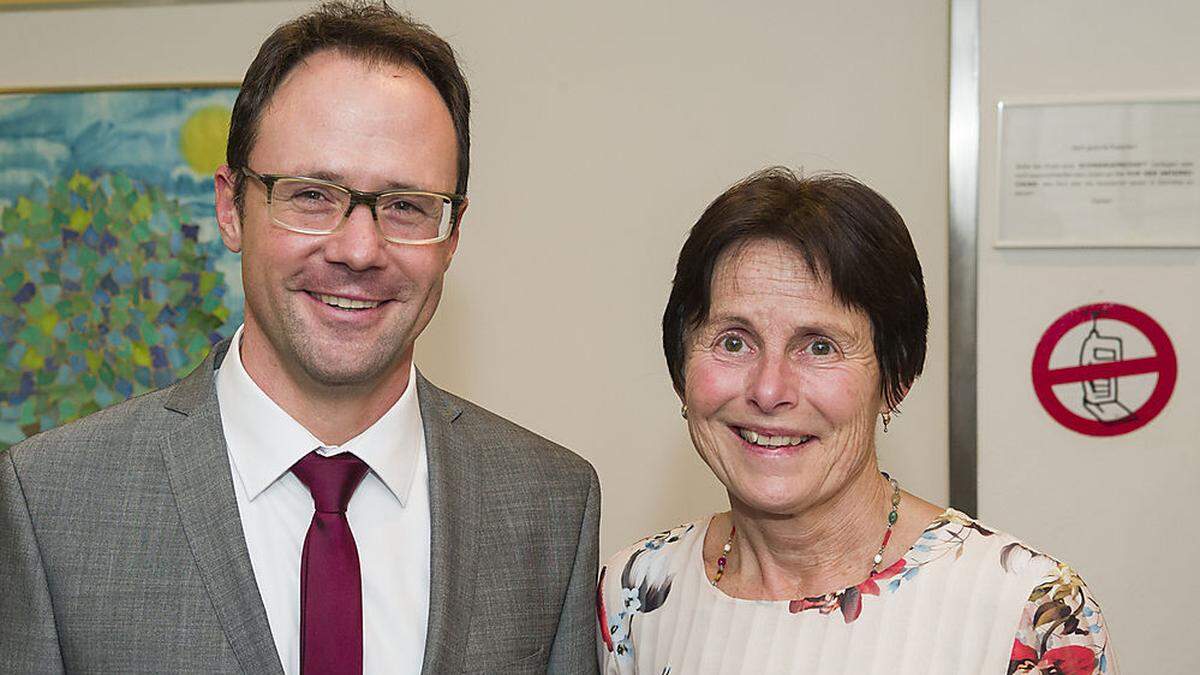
1101, 397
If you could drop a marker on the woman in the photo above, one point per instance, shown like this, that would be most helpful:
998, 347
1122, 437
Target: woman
796, 320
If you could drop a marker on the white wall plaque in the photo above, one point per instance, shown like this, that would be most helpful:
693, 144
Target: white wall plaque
1107, 174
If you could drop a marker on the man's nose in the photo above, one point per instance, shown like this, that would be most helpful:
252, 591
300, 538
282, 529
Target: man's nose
358, 243
773, 384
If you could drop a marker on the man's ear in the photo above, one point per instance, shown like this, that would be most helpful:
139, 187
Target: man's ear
228, 218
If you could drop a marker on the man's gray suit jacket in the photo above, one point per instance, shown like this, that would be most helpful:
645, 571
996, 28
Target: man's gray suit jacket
121, 549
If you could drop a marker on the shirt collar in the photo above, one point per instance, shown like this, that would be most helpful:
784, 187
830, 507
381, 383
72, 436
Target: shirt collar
264, 441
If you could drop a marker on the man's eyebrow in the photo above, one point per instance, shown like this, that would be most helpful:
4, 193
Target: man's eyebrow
338, 178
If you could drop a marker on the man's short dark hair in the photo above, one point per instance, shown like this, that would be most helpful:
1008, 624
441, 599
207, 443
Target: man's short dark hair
370, 31
846, 232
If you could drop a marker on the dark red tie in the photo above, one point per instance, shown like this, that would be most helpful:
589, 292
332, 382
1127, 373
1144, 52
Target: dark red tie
331, 633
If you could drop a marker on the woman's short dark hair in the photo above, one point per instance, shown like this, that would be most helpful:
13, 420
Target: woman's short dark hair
370, 31
845, 231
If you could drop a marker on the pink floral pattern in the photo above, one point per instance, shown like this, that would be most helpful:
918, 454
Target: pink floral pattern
1060, 630
850, 599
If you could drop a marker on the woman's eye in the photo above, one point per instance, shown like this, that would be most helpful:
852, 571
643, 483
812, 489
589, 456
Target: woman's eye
732, 344
820, 347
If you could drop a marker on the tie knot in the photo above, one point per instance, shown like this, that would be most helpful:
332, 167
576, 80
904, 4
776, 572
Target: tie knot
331, 480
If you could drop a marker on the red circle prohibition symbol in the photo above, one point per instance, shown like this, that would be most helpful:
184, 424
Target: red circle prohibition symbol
1162, 362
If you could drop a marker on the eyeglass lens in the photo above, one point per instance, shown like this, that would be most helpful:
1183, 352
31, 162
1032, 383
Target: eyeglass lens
319, 208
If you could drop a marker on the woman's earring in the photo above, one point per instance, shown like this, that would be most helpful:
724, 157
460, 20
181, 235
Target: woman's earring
887, 419
683, 411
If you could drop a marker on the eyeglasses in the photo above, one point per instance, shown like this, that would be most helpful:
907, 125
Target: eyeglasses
314, 206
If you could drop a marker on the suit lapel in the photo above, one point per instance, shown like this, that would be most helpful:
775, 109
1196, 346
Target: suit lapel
454, 518
197, 464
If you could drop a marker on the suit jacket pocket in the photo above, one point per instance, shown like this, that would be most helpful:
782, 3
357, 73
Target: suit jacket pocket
531, 662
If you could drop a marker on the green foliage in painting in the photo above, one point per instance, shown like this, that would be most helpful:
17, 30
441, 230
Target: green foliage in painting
105, 293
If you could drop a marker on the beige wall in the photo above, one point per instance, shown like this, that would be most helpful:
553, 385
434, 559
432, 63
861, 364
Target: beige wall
601, 130
1117, 508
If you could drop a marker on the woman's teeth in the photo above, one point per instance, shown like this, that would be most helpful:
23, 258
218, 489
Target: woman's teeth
771, 441
345, 303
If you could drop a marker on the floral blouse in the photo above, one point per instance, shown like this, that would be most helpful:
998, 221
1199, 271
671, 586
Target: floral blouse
964, 599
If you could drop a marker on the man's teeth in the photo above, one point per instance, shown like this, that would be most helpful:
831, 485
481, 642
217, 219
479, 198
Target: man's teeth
771, 441
345, 303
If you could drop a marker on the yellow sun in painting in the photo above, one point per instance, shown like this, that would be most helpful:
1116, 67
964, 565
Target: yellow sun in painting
202, 138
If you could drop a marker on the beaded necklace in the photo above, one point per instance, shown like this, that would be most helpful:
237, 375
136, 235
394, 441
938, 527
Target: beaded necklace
892, 517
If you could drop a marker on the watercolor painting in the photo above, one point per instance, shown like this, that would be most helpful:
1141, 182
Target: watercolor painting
113, 278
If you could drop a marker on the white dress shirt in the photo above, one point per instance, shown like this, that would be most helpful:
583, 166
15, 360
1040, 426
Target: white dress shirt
388, 514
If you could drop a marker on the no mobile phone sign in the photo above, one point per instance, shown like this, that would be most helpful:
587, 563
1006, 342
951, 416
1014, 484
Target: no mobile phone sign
1098, 372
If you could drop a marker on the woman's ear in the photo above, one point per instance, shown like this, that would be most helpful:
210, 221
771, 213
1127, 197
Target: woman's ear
885, 407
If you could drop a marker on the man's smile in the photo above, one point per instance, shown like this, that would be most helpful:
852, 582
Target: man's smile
343, 302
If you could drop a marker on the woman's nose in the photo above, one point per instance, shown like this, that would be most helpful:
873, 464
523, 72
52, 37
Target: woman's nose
772, 384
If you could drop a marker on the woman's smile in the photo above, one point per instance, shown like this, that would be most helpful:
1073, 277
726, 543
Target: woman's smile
772, 442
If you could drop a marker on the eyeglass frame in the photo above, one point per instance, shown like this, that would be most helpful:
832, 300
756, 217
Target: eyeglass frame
369, 199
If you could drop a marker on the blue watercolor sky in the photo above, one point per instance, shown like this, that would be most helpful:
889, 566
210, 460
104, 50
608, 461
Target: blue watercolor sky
136, 132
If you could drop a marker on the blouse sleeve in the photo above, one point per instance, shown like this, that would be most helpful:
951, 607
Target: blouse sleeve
604, 630
634, 582
1061, 629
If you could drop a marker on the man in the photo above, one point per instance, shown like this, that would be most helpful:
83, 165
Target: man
305, 500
